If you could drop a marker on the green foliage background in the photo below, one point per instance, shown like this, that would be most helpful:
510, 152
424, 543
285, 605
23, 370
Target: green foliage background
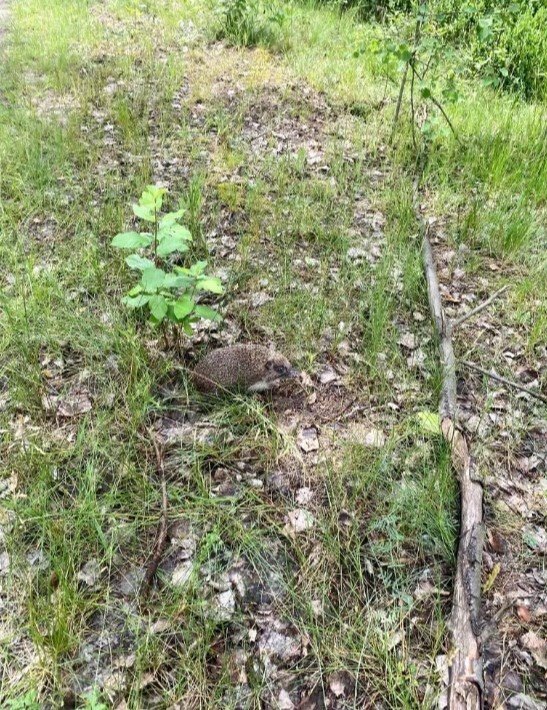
503, 41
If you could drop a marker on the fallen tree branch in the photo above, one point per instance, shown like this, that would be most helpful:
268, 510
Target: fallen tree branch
465, 691
447, 406
473, 312
505, 381
161, 537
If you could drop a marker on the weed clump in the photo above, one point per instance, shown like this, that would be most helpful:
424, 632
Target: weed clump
250, 23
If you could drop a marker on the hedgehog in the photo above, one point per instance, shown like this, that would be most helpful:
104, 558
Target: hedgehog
251, 368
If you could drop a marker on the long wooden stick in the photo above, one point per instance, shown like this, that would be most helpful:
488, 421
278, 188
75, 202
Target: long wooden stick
466, 685
505, 381
157, 552
447, 406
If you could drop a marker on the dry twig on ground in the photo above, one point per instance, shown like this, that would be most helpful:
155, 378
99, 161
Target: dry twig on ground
161, 536
505, 381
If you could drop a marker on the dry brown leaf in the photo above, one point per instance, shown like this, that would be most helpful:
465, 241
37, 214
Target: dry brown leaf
307, 439
71, 405
496, 542
408, 340
524, 614
337, 683
305, 379
537, 647
298, 521
284, 701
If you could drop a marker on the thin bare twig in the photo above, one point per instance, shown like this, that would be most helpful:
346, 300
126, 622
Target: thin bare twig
409, 64
479, 308
399, 101
413, 119
161, 536
441, 109
426, 68
505, 381
438, 104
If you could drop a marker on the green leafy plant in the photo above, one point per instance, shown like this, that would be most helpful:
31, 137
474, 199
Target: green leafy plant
165, 291
28, 701
423, 56
250, 22
92, 701
502, 41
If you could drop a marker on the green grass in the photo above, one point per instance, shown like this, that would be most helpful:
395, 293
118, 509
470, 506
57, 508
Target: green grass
88, 117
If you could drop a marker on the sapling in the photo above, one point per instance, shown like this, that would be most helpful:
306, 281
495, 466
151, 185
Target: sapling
167, 293
430, 62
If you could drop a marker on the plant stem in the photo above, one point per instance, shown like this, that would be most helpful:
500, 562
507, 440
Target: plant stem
399, 101
155, 236
412, 104
410, 63
441, 109
438, 104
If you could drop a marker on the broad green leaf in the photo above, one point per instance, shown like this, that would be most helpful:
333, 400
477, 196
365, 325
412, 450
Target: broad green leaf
171, 243
158, 307
426, 92
146, 199
187, 328
152, 197
134, 261
405, 54
430, 422
176, 281
131, 240
135, 290
170, 218
183, 307
136, 301
210, 283
207, 312
175, 230
152, 279
198, 268
144, 212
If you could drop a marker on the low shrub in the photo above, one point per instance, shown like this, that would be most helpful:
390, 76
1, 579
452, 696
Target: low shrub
249, 23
